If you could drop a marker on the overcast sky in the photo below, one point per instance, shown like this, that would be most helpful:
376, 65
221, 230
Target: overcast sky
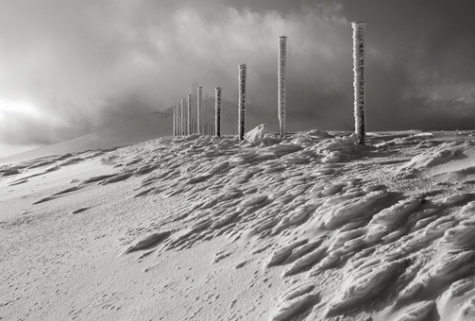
69, 67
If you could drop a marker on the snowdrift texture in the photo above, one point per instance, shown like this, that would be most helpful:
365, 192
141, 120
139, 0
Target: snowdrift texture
378, 232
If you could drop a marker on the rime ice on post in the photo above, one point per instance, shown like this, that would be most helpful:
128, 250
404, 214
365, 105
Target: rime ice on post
198, 109
174, 121
188, 117
281, 84
242, 101
217, 111
358, 82
183, 124
177, 121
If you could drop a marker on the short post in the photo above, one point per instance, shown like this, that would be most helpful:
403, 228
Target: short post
174, 121
358, 81
281, 83
242, 101
199, 97
217, 111
183, 124
177, 121
188, 118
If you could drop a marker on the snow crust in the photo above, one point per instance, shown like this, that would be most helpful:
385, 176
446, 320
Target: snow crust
324, 228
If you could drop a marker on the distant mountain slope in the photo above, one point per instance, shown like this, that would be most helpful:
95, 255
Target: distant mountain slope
159, 124
156, 125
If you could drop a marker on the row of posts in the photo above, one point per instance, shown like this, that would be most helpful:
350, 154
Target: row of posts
183, 123
182, 117
207, 129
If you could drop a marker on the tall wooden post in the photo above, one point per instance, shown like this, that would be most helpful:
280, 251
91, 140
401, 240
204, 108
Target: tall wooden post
183, 124
198, 108
177, 107
281, 83
242, 101
358, 82
217, 111
188, 117
174, 121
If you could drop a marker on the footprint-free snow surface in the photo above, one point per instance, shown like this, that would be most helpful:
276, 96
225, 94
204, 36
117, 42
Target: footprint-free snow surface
309, 227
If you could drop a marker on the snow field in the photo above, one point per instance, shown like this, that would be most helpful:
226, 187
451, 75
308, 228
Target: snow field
375, 232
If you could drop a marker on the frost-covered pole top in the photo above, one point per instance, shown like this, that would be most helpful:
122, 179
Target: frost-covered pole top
361, 25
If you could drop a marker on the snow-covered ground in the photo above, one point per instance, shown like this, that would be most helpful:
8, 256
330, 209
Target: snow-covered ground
311, 227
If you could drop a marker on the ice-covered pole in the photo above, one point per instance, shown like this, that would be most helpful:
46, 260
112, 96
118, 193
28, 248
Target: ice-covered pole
281, 83
177, 121
358, 82
188, 116
242, 101
198, 108
217, 111
182, 129
174, 121
177, 108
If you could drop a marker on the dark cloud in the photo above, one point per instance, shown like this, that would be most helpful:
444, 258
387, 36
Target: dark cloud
89, 64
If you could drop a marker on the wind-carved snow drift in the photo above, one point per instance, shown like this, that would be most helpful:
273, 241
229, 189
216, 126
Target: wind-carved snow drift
369, 234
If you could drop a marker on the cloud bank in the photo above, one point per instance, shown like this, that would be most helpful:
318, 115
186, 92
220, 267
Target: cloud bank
84, 65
